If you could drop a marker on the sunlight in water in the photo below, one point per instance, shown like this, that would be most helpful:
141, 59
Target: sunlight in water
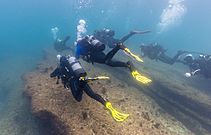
81, 29
172, 14
83, 3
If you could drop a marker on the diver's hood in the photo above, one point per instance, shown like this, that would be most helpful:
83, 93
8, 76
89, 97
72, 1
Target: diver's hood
107, 30
58, 57
189, 55
189, 58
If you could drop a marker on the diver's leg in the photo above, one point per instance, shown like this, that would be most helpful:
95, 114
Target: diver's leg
66, 39
101, 58
175, 58
111, 54
168, 60
131, 66
118, 116
75, 89
113, 63
98, 57
93, 95
126, 37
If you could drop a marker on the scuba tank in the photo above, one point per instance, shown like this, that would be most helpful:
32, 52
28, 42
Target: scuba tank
97, 45
76, 67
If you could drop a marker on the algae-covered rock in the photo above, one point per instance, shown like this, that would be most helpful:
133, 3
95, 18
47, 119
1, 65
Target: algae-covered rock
58, 112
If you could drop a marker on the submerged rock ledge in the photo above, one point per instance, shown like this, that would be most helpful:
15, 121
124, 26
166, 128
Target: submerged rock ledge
59, 114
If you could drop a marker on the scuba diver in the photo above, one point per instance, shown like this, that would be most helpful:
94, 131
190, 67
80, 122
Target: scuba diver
91, 50
200, 65
156, 52
74, 77
59, 45
106, 36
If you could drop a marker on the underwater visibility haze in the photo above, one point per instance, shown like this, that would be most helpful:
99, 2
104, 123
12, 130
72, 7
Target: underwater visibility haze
26, 31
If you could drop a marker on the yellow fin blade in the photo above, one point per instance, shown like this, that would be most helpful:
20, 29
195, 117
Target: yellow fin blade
103, 77
140, 77
115, 114
133, 55
95, 78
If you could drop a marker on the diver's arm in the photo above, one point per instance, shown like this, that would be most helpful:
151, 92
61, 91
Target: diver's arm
196, 72
123, 39
192, 73
66, 39
55, 73
181, 61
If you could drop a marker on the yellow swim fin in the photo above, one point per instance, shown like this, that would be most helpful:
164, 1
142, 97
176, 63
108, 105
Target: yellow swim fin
133, 55
115, 114
94, 78
102, 78
140, 78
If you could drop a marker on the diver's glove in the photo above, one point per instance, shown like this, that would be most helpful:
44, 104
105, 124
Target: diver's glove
115, 114
187, 75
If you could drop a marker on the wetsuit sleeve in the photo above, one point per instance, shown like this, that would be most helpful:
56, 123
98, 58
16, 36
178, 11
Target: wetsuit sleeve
92, 94
66, 39
55, 73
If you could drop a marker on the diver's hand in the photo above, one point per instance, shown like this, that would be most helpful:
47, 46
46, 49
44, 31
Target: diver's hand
187, 75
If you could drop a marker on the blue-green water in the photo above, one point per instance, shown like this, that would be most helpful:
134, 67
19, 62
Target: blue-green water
25, 31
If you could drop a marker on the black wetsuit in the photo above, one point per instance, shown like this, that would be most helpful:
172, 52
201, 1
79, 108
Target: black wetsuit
158, 53
76, 85
108, 39
87, 51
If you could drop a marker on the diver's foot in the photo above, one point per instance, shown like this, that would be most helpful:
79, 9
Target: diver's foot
130, 66
121, 46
